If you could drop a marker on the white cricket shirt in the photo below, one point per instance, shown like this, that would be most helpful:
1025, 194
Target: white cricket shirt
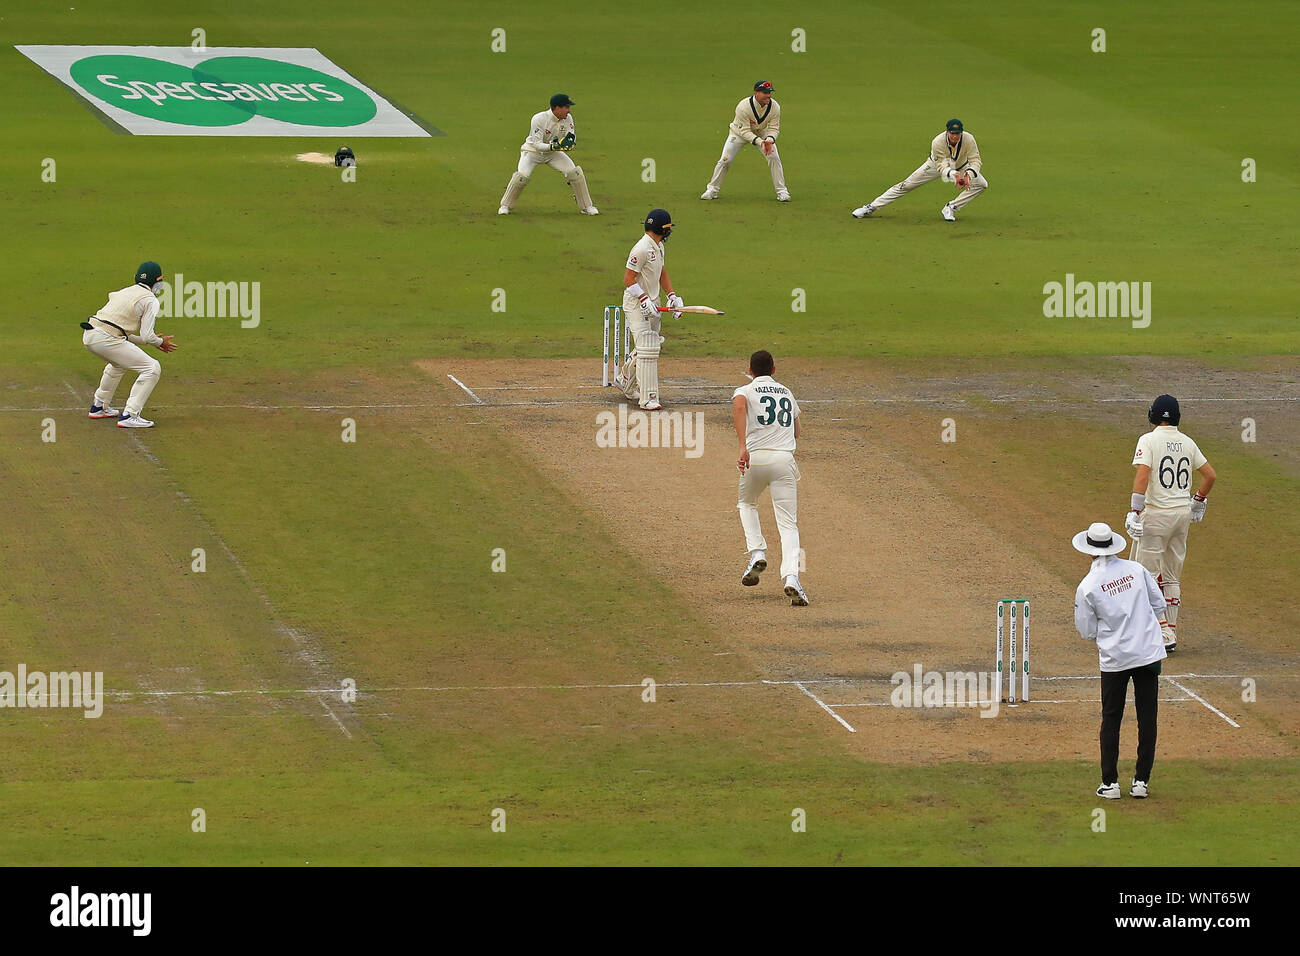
770, 411
647, 260
1116, 605
1172, 458
544, 129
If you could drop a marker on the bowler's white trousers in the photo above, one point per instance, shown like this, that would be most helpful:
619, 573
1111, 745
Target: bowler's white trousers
777, 471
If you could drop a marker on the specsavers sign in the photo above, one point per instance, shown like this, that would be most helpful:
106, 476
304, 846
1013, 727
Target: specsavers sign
223, 91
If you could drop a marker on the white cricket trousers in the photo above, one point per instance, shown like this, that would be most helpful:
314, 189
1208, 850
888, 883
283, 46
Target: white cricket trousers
1162, 549
777, 471
122, 356
556, 159
927, 172
642, 371
731, 149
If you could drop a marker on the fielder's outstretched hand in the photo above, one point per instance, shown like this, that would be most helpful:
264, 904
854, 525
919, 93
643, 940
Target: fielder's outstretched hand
167, 345
768, 146
962, 180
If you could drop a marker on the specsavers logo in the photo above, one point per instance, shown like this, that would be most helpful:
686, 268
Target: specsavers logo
223, 91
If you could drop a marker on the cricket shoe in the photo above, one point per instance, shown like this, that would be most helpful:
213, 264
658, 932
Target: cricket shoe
948, 213
129, 420
709, 193
651, 405
503, 211
591, 211
795, 592
1170, 636
783, 196
864, 212
103, 411
1138, 790
757, 565
1109, 790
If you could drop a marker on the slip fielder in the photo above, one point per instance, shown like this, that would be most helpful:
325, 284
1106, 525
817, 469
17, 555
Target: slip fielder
954, 158
550, 138
643, 274
757, 123
1161, 511
766, 417
116, 333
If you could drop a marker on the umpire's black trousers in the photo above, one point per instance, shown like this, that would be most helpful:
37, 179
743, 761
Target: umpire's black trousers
1114, 690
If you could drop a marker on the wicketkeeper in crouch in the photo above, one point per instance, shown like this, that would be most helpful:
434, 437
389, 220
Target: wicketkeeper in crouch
551, 137
644, 273
954, 158
757, 123
117, 334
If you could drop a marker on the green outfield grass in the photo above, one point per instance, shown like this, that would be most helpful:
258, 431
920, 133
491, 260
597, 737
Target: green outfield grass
1117, 166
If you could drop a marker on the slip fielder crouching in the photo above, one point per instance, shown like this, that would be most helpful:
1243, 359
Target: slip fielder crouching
116, 333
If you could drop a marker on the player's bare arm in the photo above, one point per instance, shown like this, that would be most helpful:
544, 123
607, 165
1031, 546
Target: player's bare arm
1141, 479
665, 283
629, 278
739, 415
797, 430
1208, 477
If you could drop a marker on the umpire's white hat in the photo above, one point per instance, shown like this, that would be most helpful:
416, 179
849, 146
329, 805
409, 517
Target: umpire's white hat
1099, 539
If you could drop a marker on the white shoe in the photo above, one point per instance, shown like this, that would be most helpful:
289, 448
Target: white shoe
103, 411
1170, 636
591, 211
130, 420
1109, 790
503, 211
795, 592
948, 213
651, 405
757, 565
709, 193
1138, 790
862, 212
783, 196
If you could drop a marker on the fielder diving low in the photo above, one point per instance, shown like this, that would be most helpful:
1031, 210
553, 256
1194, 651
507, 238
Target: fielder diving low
551, 136
766, 417
116, 333
645, 271
757, 122
954, 158
1161, 511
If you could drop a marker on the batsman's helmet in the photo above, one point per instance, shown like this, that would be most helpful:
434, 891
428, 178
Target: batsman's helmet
345, 157
1164, 411
659, 221
148, 273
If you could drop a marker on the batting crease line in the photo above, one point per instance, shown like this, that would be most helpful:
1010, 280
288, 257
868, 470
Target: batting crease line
500, 687
1195, 696
989, 703
477, 400
822, 704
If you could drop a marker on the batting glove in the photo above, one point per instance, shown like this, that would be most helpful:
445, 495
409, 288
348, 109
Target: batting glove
647, 306
1198, 507
675, 301
1133, 524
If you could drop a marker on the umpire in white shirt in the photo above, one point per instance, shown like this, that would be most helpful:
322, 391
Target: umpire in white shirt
1117, 605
